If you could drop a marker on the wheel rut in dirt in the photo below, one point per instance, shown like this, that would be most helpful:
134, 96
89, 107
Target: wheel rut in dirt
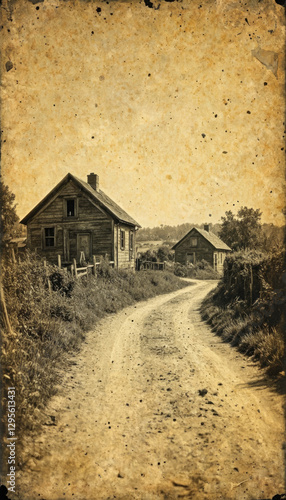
157, 407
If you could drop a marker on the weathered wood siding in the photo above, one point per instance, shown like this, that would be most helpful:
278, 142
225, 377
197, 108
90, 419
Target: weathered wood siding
125, 258
203, 251
88, 219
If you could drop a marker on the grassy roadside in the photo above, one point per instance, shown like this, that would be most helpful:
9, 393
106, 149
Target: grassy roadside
48, 325
200, 271
247, 308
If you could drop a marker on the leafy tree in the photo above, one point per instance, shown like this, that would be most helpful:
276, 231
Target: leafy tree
171, 233
243, 230
9, 217
164, 253
273, 237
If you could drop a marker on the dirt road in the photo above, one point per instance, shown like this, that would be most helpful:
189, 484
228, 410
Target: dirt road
157, 407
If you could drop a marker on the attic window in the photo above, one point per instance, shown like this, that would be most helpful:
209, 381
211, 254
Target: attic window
194, 242
70, 208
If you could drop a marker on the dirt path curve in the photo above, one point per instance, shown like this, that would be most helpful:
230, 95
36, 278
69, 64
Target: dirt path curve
132, 424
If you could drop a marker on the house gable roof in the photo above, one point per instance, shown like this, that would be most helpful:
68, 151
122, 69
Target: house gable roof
214, 240
98, 197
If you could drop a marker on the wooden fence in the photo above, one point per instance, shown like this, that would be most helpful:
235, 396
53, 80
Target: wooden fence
154, 266
78, 272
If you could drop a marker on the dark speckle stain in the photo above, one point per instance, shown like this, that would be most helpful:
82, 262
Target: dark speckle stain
98, 10
9, 65
150, 4
3, 492
203, 136
249, 112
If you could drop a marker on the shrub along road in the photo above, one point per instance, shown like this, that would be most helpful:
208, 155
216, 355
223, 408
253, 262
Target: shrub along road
157, 407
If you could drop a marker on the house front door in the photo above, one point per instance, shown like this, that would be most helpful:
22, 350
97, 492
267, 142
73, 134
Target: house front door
83, 246
191, 258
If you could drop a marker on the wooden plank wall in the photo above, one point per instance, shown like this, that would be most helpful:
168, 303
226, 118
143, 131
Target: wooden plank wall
123, 255
89, 219
204, 250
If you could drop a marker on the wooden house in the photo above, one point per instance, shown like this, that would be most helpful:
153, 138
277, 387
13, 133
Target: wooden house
201, 244
77, 220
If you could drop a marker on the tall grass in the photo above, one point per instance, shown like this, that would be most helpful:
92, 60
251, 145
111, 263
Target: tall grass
247, 308
201, 271
48, 323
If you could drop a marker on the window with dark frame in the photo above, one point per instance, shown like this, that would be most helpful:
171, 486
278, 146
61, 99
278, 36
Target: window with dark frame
131, 244
122, 239
131, 241
70, 208
50, 237
194, 242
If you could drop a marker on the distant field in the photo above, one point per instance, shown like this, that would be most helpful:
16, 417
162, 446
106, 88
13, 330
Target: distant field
143, 246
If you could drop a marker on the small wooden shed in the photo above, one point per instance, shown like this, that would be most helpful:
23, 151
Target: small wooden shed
201, 244
77, 219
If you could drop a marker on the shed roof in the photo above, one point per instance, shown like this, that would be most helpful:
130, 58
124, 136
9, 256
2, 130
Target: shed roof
98, 196
214, 240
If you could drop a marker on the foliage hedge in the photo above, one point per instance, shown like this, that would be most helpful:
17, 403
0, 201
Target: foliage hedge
247, 308
202, 271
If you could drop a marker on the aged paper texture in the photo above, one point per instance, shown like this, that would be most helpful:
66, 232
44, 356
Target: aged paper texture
178, 106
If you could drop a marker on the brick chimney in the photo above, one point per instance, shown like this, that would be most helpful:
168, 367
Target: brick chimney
93, 181
207, 228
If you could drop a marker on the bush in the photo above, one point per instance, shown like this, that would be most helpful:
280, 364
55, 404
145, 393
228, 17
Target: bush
180, 270
201, 271
247, 307
164, 253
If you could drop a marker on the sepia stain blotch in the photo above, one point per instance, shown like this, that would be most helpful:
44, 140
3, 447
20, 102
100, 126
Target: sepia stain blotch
9, 65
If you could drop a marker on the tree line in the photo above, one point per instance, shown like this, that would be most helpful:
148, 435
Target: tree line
240, 231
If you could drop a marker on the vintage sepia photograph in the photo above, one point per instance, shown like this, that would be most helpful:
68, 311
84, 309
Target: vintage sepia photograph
142, 199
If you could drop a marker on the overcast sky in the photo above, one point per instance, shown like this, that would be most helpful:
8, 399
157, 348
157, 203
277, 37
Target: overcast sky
178, 109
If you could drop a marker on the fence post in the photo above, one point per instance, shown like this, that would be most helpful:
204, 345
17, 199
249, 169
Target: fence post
47, 276
4, 311
72, 270
251, 285
13, 255
59, 261
94, 265
75, 269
